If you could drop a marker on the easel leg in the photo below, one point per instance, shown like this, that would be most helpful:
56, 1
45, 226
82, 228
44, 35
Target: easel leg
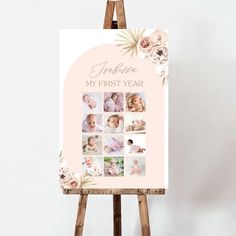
120, 12
117, 214
81, 215
143, 212
109, 15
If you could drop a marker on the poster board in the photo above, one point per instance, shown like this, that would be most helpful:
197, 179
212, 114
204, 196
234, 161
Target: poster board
114, 108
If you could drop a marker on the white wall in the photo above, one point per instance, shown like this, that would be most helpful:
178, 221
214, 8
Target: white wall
201, 198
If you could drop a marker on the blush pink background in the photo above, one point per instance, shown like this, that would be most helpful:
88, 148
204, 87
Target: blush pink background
74, 86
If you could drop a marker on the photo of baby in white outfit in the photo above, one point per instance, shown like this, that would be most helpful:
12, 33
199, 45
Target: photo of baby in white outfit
92, 123
113, 124
135, 144
92, 166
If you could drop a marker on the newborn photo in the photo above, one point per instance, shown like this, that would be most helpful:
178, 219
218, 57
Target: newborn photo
92, 102
113, 123
135, 166
92, 166
92, 123
113, 144
135, 123
92, 144
135, 144
113, 102
135, 102
113, 166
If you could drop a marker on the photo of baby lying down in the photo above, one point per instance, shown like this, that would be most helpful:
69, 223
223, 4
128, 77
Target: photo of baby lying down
135, 123
135, 166
92, 102
113, 145
92, 166
92, 123
113, 166
113, 124
135, 102
92, 144
135, 144
113, 102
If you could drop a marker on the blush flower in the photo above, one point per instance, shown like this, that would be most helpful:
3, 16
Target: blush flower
74, 183
159, 55
159, 38
145, 44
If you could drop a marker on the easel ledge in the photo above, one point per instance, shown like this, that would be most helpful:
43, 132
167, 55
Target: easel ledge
104, 191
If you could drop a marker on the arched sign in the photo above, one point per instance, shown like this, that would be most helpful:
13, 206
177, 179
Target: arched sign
114, 108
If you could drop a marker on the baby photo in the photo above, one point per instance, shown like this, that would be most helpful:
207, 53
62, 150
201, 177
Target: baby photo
135, 102
113, 144
113, 124
135, 123
135, 166
135, 144
92, 102
113, 166
113, 102
92, 166
92, 123
92, 144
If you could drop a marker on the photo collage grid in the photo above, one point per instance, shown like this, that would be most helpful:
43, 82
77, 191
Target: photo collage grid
113, 134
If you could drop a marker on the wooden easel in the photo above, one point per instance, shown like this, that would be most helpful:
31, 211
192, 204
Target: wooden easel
141, 193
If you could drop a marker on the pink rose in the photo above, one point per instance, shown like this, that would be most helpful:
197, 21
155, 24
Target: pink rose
145, 44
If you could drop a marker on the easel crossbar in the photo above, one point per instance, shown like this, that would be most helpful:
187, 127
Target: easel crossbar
115, 191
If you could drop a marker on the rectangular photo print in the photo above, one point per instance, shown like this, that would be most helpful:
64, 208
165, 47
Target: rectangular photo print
113, 166
113, 102
135, 123
92, 102
113, 145
135, 144
92, 123
92, 145
135, 166
135, 102
113, 123
92, 165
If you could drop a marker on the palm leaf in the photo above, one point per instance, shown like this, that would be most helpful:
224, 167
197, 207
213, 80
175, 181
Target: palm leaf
128, 41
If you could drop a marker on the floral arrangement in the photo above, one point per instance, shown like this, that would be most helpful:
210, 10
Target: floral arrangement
153, 47
70, 179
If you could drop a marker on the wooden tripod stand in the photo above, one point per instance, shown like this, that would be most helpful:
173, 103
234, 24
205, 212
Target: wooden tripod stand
141, 193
